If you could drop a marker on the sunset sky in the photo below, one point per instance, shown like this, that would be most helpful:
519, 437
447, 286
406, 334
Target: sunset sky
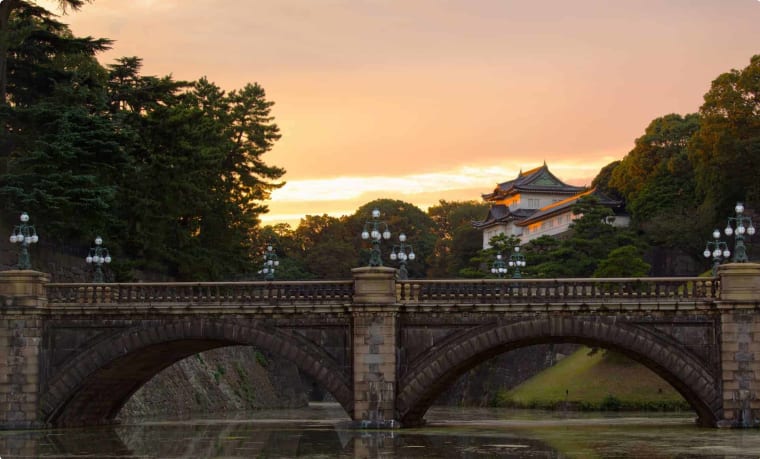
423, 100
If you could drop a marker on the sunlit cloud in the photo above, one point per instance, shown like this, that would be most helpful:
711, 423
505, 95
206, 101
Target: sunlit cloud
338, 196
348, 188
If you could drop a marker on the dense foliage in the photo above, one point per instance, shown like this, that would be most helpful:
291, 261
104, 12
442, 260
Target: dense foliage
171, 173
686, 173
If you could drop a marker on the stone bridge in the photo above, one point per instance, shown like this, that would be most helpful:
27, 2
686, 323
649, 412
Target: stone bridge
73, 354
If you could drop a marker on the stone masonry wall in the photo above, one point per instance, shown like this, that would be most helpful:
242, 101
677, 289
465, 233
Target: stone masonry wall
741, 365
20, 337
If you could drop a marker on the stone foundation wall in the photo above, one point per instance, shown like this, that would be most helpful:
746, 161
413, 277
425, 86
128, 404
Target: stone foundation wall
741, 367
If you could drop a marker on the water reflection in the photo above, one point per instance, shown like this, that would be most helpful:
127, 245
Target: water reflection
321, 431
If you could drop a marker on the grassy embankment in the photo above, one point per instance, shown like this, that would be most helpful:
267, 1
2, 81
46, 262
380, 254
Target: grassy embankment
599, 380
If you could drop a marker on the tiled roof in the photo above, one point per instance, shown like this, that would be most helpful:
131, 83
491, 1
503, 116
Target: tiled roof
501, 214
564, 205
539, 179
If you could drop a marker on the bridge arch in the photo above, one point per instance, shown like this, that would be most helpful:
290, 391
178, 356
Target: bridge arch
431, 375
93, 386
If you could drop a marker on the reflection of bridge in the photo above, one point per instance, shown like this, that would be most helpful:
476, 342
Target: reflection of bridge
385, 349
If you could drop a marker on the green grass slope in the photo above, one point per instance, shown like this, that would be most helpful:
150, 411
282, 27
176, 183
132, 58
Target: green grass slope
598, 380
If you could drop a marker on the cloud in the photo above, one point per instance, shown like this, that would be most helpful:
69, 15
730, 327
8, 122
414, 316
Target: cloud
337, 196
467, 177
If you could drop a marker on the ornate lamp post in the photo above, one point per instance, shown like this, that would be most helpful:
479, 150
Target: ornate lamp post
97, 256
375, 230
717, 249
270, 263
499, 266
743, 226
24, 234
516, 261
402, 252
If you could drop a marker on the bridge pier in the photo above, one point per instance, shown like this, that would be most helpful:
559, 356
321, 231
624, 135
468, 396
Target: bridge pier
375, 341
22, 302
740, 344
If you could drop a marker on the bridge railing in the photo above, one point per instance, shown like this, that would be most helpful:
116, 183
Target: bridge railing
191, 293
521, 291
483, 291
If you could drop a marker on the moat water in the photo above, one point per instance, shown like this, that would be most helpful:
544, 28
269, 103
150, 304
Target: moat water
321, 431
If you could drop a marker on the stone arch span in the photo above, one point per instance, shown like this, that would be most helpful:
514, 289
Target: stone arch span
93, 386
431, 375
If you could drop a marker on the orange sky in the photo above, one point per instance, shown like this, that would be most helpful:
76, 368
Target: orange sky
422, 100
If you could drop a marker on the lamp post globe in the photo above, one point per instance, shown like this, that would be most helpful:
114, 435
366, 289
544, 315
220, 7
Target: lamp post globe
24, 235
517, 261
97, 256
375, 231
739, 226
402, 252
499, 266
270, 264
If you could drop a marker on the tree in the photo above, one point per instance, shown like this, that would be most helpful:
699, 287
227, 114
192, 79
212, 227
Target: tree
665, 139
623, 261
591, 239
726, 148
456, 239
501, 244
325, 246
401, 217
68, 167
197, 175
7, 37
60, 151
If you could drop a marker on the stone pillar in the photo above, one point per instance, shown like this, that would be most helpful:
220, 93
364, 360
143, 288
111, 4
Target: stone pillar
22, 303
374, 336
740, 343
